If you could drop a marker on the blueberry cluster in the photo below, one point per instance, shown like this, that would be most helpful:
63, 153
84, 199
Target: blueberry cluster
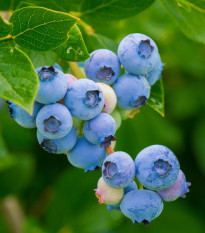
79, 117
156, 168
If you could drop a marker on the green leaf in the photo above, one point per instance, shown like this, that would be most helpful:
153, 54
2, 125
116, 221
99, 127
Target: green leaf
97, 41
18, 79
156, 99
41, 29
5, 28
74, 49
41, 58
189, 16
63, 5
99, 10
9, 5
112, 9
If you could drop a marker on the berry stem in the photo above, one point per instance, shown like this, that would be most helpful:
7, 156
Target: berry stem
75, 70
133, 113
109, 150
140, 186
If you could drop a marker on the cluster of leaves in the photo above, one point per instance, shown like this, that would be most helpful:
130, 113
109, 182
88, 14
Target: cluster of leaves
42, 32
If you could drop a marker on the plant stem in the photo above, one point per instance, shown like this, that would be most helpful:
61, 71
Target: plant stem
88, 29
133, 113
140, 186
75, 70
13, 214
109, 149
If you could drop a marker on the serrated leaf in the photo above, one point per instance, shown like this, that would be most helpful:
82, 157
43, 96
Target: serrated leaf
74, 49
18, 79
5, 28
41, 29
97, 41
156, 99
189, 16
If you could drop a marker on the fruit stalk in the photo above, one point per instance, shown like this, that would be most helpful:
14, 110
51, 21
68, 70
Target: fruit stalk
109, 150
75, 69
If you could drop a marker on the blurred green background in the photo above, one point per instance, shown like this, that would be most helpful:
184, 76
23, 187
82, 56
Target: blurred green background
58, 198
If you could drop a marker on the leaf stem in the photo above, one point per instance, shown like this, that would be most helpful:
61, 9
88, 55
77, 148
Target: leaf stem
109, 150
75, 70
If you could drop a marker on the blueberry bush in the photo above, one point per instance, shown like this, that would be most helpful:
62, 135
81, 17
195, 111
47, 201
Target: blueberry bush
81, 72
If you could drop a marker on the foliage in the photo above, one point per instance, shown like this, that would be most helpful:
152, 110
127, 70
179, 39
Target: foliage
57, 198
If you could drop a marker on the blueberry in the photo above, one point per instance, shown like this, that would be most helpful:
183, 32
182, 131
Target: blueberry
70, 79
84, 99
53, 85
131, 186
110, 98
118, 170
54, 121
178, 189
107, 194
86, 155
22, 117
100, 130
157, 167
56, 65
141, 206
138, 53
103, 66
58, 146
155, 74
132, 91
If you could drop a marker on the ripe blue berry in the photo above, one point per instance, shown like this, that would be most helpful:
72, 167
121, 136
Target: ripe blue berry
102, 66
58, 146
84, 99
22, 117
100, 130
118, 169
53, 85
110, 98
138, 53
56, 65
131, 186
132, 91
155, 74
178, 189
141, 206
157, 167
86, 155
54, 121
